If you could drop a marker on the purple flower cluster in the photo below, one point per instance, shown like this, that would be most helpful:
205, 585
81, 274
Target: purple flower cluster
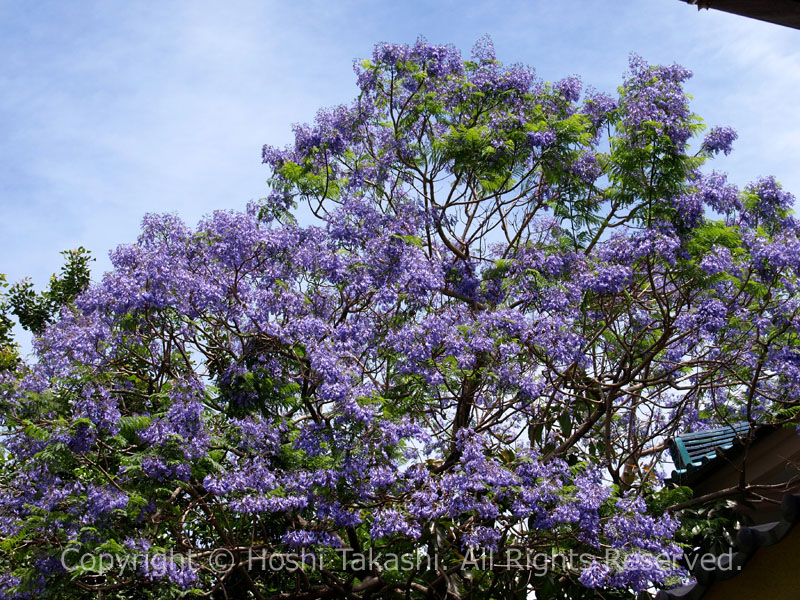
182, 424
157, 567
102, 501
541, 139
598, 106
718, 194
570, 88
655, 99
390, 522
719, 260
720, 139
607, 280
766, 202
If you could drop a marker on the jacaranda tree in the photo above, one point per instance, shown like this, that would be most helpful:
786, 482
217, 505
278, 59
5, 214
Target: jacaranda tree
461, 326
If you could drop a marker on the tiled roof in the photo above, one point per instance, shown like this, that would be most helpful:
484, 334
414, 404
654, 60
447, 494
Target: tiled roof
693, 450
781, 12
748, 541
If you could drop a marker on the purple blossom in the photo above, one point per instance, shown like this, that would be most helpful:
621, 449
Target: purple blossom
541, 139
718, 194
390, 522
570, 88
157, 567
719, 260
597, 106
102, 501
719, 139
689, 208
655, 96
182, 424
595, 575
766, 202
161, 470
587, 168
482, 537
607, 280
303, 538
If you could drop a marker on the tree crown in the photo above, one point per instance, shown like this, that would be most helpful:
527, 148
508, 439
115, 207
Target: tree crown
509, 294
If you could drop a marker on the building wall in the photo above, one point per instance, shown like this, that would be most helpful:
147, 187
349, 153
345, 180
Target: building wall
773, 573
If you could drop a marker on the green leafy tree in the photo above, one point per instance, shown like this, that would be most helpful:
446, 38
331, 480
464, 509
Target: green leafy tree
35, 310
8, 348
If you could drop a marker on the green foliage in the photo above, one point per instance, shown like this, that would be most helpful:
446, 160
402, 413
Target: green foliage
35, 310
8, 348
713, 233
712, 527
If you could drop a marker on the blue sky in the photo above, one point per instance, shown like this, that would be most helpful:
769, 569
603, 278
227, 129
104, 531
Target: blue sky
110, 110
